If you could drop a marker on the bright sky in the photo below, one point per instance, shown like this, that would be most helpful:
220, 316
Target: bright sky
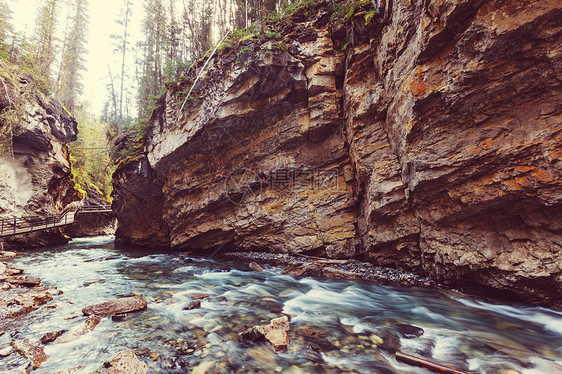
103, 14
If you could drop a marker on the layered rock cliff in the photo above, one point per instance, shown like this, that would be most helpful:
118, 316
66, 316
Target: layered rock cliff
426, 138
35, 169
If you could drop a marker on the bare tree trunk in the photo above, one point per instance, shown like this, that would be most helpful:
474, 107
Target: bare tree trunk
124, 46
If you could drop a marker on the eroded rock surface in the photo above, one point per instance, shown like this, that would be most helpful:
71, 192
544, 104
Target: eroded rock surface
426, 140
35, 168
116, 306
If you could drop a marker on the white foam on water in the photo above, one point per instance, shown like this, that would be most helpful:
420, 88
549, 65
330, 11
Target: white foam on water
445, 346
215, 275
428, 313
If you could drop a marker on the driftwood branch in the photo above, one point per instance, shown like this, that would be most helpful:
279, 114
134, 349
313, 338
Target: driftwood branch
432, 366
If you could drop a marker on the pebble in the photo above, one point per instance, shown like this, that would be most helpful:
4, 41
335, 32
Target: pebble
376, 339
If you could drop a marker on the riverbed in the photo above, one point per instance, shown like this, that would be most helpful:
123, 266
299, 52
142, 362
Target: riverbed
353, 317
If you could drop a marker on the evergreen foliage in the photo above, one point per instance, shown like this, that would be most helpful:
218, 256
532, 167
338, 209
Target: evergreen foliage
73, 63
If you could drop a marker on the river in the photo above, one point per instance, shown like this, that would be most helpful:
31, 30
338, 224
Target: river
459, 331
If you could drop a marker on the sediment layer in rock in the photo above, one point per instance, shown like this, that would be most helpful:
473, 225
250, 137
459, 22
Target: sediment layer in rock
427, 139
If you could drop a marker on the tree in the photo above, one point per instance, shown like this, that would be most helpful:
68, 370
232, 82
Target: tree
125, 24
154, 29
5, 25
73, 58
44, 42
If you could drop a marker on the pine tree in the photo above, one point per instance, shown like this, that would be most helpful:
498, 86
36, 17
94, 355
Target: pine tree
125, 24
73, 58
5, 25
44, 42
154, 29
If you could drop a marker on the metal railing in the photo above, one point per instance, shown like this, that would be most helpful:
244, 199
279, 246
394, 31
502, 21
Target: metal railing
16, 226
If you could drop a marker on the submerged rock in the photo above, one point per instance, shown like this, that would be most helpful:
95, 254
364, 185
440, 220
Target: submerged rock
195, 304
125, 362
51, 336
116, 306
408, 331
79, 330
33, 352
275, 334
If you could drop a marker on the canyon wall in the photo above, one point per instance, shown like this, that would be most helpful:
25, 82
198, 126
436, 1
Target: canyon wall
427, 138
35, 169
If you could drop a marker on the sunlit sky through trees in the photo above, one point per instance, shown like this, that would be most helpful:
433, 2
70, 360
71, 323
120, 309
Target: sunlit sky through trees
103, 15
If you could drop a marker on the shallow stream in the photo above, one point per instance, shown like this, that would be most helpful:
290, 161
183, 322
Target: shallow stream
459, 331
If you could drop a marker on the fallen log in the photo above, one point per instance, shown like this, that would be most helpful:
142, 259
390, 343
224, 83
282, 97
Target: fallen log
432, 366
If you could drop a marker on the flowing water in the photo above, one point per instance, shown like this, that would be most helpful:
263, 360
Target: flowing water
461, 332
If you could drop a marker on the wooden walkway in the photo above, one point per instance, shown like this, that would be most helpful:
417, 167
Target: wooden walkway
17, 226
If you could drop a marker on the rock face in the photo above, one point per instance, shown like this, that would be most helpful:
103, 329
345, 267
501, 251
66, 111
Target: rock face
35, 175
426, 139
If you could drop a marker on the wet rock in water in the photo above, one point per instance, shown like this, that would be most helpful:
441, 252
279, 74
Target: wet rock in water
3, 268
391, 342
18, 301
70, 371
256, 267
6, 351
125, 362
311, 352
116, 306
13, 271
195, 304
317, 337
7, 254
408, 331
51, 336
79, 330
107, 258
93, 282
203, 367
275, 334
313, 333
199, 296
121, 317
298, 270
24, 281
33, 352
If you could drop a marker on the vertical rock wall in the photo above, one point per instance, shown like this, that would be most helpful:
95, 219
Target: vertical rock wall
426, 139
35, 178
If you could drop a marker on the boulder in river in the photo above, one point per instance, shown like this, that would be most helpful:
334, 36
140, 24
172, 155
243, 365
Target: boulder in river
116, 306
408, 331
33, 352
275, 334
79, 330
195, 304
51, 336
125, 362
